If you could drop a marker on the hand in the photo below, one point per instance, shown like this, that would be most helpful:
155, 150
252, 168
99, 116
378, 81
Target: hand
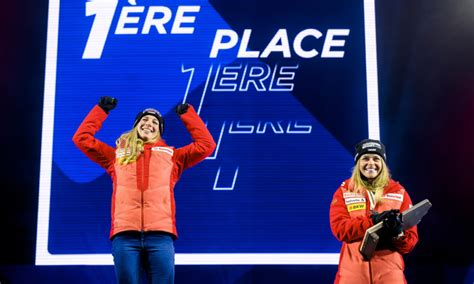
108, 103
392, 222
393, 225
379, 217
181, 109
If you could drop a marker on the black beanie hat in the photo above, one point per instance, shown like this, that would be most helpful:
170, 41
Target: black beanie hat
369, 146
155, 113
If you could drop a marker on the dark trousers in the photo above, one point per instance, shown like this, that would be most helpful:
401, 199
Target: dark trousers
152, 252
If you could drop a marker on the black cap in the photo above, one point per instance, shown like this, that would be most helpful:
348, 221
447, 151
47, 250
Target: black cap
155, 113
369, 146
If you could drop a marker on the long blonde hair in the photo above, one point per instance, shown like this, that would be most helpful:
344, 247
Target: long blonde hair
129, 147
359, 183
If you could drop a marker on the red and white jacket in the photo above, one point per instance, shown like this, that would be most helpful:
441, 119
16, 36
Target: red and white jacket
143, 191
350, 217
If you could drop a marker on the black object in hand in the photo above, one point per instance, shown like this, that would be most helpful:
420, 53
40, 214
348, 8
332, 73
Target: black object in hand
108, 103
392, 222
181, 109
393, 225
379, 217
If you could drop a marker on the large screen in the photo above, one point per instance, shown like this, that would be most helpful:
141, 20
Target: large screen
286, 89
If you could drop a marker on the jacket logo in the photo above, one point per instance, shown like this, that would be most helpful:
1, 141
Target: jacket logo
356, 206
354, 200
120, 153
352, 195
394, 196
164, 150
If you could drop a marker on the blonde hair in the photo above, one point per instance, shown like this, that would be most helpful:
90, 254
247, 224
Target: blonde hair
359, 183
129, 147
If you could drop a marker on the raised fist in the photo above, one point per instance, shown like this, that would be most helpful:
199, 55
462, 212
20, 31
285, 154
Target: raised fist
108, 103
181, 109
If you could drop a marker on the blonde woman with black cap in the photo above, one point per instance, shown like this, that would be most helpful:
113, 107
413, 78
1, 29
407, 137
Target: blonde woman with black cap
368, 197
144, 171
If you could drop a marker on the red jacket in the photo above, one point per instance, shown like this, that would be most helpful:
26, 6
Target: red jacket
350, 218
143, 192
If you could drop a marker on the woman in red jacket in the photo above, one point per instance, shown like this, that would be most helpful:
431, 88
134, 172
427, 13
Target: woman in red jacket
368, 197
144, 171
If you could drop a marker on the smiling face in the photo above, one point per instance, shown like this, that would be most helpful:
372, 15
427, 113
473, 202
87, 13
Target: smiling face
370, 166
149, 128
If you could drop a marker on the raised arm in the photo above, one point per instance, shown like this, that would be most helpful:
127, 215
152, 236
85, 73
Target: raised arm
203, 144
85, 140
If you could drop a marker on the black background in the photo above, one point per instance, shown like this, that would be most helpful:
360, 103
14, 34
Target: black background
426, 90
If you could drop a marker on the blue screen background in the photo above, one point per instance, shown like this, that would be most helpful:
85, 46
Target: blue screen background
285, 181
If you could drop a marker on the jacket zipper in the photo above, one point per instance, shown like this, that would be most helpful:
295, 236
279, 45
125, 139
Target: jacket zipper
372, 204
370, 272
142, 190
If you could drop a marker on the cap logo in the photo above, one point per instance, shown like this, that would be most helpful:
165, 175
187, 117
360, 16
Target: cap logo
371, 145
152, 110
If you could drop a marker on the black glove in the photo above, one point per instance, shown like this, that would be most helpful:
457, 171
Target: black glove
181, 109
392, 222
379, 217
108, 103
393, 225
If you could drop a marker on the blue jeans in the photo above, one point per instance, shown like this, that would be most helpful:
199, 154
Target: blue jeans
152, 252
